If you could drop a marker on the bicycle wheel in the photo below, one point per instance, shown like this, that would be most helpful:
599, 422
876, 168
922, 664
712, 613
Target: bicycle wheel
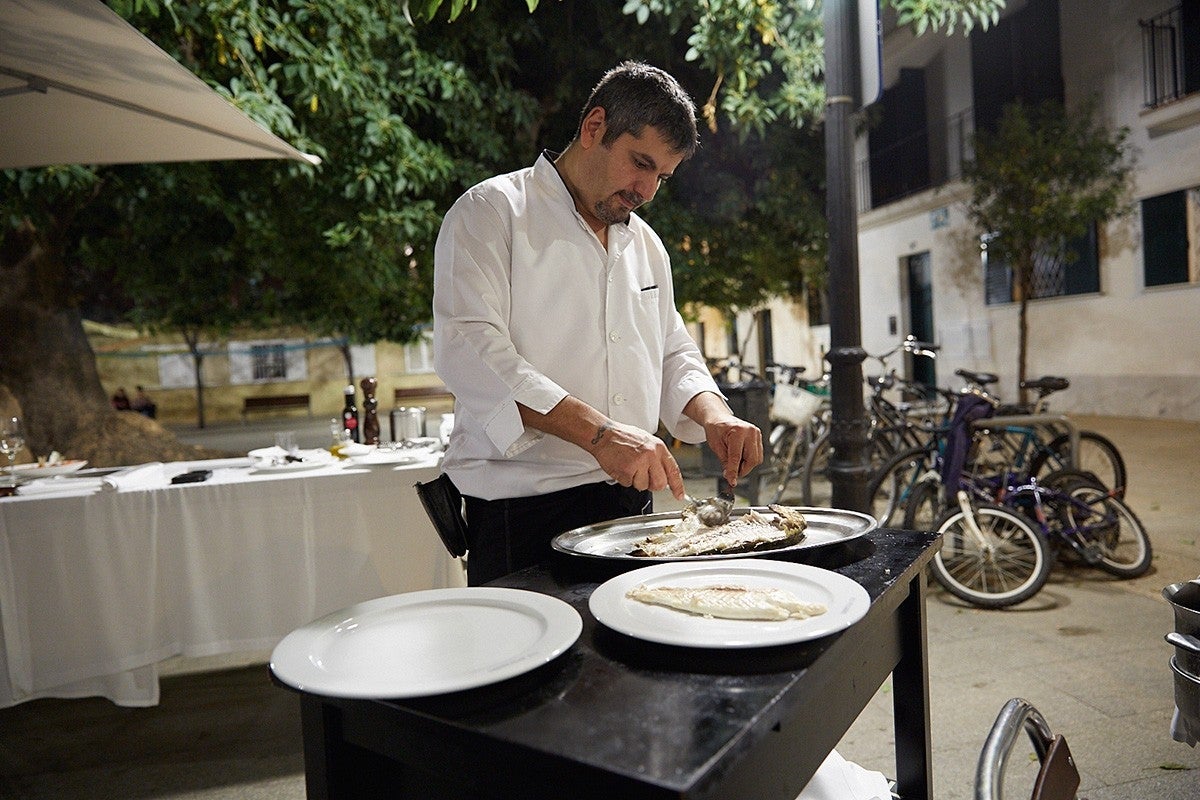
1111, 535
1006, 562
816, 488
1097, 455
788, 446
889, 490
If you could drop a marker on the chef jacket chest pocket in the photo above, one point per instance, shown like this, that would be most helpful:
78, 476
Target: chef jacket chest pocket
647, 314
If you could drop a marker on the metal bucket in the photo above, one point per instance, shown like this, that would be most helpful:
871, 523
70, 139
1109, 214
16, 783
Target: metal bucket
1187, 703
407, 422
1185, 602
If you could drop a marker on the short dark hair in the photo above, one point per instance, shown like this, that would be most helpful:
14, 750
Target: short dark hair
633, 95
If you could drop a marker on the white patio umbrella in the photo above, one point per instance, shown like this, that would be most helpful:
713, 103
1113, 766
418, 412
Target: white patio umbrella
80, 85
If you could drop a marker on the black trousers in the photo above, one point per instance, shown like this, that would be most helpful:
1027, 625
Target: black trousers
506, 535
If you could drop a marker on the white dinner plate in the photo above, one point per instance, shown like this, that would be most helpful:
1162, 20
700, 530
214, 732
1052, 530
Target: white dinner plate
426, 643
290, 466
847, 602
48, 470
263, 460
381, 458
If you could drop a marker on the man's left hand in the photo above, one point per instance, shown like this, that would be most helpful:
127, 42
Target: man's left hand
737, 443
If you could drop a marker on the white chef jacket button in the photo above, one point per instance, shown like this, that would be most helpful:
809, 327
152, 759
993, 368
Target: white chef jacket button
614, 336
618, 399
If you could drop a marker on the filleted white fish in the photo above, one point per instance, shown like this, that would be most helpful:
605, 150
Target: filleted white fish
745, 533
729, 602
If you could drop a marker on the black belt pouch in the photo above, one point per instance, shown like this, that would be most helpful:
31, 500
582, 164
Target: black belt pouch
443, 503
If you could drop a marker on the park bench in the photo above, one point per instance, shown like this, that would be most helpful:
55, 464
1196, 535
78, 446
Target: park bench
273, 402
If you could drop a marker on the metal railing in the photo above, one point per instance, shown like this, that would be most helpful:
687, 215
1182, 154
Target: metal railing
1163, 57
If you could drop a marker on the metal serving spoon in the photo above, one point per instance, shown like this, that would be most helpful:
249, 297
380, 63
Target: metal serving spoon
711, 511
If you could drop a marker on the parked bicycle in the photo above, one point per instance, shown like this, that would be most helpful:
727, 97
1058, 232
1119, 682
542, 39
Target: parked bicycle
1004, 528
799, 417
1028, 440
1001, 540
891, 426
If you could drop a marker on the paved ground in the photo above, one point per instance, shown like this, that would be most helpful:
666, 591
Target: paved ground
1088, 651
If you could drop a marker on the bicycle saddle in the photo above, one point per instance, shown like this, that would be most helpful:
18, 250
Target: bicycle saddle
982, 378
1047, 384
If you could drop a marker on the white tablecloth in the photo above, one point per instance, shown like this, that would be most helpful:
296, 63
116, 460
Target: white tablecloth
97, 588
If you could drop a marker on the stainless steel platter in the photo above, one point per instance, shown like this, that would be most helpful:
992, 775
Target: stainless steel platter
613, 540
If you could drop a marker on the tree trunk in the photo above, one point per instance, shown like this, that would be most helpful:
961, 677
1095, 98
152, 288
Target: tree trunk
1024, 287
47, 363
193, 342
348, 357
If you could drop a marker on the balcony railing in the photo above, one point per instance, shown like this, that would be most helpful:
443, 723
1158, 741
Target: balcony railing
928, 157
1163, 57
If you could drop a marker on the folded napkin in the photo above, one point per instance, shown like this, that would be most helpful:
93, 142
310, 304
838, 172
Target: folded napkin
145, 476
47, 486
839, 779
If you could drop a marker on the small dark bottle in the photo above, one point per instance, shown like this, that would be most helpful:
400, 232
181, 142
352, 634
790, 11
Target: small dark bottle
350, 414
370, 414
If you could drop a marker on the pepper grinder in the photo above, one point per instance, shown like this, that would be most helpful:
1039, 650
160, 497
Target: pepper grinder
370, 425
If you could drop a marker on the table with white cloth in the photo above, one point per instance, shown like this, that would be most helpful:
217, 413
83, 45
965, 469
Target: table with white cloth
98, 587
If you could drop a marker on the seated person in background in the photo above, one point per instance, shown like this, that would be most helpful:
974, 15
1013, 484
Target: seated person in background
120, 400
143, 404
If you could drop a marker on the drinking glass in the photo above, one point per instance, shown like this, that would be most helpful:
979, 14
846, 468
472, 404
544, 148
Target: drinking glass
12, 441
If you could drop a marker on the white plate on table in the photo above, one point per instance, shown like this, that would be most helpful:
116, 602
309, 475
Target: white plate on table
846, 600
48, 470
270, 459
426, 643
266, 467
390, 458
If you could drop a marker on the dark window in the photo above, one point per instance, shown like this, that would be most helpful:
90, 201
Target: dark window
1171, 53
1165, 238
1073, 268
816, 300
1019, 58
269, 362
899, 144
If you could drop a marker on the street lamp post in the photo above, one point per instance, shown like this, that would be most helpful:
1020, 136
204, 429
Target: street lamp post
848, 433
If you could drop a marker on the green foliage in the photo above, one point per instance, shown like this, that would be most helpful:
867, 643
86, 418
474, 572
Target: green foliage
1044, 175
1041, 178
767, 56
343, 248
408, 104
926, 15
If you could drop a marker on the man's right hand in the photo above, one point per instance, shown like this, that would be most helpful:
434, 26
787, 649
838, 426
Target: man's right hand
627, 454
636, 458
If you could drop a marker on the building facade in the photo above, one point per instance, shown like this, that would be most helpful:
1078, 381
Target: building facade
1122, 321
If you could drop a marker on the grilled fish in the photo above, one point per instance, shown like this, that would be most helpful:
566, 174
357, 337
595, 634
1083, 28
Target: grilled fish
746, 533
728, 602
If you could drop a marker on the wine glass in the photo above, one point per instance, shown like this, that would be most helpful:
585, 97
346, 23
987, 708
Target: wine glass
12, 441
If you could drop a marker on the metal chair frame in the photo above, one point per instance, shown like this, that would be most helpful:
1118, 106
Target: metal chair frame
1057, 778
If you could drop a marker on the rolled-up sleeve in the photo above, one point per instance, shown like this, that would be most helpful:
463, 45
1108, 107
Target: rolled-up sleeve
473, 349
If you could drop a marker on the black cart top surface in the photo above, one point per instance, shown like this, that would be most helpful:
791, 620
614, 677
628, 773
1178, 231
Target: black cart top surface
636, 714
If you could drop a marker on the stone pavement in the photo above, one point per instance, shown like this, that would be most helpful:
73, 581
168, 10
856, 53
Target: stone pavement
1088, 651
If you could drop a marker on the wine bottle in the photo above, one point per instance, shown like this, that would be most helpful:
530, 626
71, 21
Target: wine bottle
370, 414
350, 414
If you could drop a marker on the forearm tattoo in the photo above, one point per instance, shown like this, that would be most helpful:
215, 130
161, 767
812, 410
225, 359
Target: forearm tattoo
600, 433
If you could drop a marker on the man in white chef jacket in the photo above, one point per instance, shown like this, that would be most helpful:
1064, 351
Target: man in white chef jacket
556, 330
